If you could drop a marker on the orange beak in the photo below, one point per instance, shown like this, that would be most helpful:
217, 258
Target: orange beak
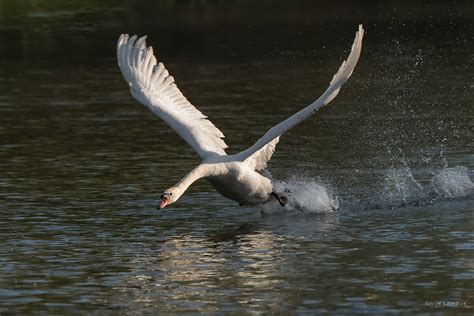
164, 201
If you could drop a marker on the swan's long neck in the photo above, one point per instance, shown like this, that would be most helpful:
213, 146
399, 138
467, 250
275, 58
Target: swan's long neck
194, 175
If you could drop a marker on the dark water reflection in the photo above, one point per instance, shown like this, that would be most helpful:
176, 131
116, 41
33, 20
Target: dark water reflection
81, 164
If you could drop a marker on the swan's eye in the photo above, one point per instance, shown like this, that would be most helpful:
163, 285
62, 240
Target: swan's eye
171, 193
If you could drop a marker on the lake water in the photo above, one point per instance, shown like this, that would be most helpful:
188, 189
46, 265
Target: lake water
82, 165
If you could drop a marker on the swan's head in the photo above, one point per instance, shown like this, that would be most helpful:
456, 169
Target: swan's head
170, 196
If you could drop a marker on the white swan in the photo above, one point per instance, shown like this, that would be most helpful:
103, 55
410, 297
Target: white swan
233, 176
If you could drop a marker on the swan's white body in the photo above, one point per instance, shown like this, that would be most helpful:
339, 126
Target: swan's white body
234, 176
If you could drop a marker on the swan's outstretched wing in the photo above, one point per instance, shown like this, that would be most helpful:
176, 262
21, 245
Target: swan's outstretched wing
151, 85
337, 82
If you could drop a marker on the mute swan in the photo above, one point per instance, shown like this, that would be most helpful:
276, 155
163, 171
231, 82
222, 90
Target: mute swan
233, 176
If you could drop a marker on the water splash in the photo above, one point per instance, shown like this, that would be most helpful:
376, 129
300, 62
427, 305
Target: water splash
307, 196
452, 183
400, 187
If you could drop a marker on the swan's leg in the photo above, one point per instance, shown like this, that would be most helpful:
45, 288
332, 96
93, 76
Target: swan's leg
282, 201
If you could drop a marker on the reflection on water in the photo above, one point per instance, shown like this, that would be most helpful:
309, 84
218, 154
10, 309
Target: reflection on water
323, 263
81, 164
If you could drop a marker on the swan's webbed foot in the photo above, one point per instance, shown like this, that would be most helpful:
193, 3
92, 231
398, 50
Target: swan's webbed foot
281, 199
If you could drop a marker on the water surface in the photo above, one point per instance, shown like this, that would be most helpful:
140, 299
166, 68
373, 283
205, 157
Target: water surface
82, 165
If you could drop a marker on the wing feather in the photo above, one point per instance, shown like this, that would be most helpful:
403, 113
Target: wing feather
151, 85
259, 159
339, 79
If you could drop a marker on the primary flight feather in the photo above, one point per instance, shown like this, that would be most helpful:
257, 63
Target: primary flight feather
152, 85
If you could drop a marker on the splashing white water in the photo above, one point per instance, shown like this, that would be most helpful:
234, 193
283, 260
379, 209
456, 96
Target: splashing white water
401, 188
452, 183
306, 196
